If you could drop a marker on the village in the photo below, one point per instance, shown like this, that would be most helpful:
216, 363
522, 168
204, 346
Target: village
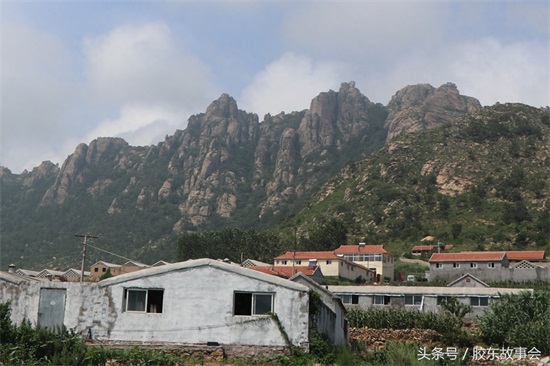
239, 310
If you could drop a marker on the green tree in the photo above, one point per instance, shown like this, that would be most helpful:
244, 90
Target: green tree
326, 235
456, 229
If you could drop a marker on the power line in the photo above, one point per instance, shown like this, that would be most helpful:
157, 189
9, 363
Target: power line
116, 255
84, 252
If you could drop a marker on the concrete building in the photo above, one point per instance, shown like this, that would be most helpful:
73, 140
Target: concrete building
488, 266
374, 257
330, 318
422, 298
331, 265
194, 302
287, 272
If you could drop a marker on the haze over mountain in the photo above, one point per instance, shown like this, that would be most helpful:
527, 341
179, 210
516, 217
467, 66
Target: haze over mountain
229, 169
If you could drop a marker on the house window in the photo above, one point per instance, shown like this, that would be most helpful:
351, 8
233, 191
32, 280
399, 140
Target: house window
298, 262
456, 265
413, 299
96, 269
491, 265
381, 300
143, 300
439, 265
103, 269
350, 299
378, 257
440, 299
329, 262
473, 265
249, 303
479, 301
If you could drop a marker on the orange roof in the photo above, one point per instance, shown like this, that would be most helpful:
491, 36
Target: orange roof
528, 255
422, 248
307, 255
284, 271
356, 249
468, 257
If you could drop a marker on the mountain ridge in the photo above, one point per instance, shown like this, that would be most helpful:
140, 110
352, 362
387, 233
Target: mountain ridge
225, 169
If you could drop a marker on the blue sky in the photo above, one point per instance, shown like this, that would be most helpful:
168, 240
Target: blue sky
73, 71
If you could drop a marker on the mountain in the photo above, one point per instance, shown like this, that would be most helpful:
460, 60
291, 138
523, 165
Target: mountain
224, 169
480, 182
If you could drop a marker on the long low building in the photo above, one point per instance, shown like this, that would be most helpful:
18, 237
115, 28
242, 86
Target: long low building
423, 298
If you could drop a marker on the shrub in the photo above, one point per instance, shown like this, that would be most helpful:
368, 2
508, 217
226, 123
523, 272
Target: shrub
518, 320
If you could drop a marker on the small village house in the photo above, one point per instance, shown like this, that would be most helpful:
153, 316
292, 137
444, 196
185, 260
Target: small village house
490, 266
313, 272
331, 265
330, 318
374, 257
197, 302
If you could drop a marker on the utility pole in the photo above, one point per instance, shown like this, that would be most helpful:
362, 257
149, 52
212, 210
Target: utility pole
84, 252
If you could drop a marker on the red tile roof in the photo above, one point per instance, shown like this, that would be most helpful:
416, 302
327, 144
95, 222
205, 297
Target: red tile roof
422, 248
307, 255
528, 255
284, 271
468, 257
356, 249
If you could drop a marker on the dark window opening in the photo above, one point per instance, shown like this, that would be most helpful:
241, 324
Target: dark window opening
247, 303
154, 301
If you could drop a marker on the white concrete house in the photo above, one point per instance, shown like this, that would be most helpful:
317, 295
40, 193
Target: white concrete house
194, 302
331, 316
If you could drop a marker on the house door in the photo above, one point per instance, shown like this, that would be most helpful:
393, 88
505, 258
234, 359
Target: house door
51, 308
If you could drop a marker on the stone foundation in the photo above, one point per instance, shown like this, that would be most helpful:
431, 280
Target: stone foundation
204, 351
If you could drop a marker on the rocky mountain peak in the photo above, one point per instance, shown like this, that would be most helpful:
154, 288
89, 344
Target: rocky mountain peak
44, 170
223, 107
101, 150
421, 106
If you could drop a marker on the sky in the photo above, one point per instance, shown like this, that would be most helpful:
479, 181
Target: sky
73, 71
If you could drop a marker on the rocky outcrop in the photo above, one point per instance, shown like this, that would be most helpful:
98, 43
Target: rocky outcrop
226, 166
419, 107
101, 150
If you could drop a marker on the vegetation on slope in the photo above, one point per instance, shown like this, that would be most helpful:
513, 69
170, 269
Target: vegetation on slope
479, 183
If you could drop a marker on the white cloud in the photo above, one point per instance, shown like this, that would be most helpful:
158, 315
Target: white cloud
38, 90
143, 64
289, 83
485, 69
140, 124
495, 72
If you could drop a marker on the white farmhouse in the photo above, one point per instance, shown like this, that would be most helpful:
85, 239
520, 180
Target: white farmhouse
196, 302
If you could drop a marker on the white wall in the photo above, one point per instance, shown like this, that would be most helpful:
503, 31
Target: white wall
197, 307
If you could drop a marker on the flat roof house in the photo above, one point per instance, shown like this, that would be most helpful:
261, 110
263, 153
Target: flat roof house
374, 257
331, 265
422, 298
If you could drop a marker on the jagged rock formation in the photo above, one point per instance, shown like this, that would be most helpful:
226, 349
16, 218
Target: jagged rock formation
225, 168
419, 107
